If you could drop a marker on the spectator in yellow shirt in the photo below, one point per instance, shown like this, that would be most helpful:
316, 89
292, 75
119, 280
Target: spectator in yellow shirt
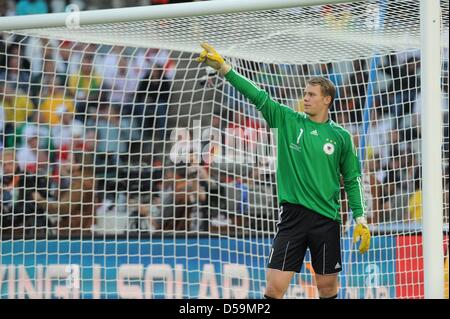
51, 104
86, 84
415, 206
16, 105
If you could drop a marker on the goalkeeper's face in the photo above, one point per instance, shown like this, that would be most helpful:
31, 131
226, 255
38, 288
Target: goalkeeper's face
315, 103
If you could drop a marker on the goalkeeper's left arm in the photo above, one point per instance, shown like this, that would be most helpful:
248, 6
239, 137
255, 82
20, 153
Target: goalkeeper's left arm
350, 168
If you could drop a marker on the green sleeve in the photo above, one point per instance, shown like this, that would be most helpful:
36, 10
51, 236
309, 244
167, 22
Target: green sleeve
273, 112
351, 171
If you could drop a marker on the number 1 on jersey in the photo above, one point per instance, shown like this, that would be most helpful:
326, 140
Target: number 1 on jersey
299, 135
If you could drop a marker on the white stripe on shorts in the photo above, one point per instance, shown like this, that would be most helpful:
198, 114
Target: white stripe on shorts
285, 253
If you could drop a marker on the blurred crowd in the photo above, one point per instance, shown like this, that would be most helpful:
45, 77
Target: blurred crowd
85, 145
64, 106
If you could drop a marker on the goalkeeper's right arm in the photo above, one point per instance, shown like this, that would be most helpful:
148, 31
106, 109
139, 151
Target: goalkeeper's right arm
211, 57
273, 112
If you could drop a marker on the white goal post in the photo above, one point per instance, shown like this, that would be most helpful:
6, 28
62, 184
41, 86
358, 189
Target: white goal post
168, 221
431, 146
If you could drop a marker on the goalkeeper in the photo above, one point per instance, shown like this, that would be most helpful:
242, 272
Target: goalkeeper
313, 153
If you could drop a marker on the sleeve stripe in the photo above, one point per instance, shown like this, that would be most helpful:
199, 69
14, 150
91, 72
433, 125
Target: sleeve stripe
260, 106
361, 195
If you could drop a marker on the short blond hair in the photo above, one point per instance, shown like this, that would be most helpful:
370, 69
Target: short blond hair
326, 86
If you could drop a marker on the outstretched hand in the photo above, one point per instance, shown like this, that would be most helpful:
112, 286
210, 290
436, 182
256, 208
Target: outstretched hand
212, 58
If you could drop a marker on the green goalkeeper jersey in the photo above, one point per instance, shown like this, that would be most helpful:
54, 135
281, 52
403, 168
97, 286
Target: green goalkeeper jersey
311, 156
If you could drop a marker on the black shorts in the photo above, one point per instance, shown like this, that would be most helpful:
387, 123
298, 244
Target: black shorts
300, 228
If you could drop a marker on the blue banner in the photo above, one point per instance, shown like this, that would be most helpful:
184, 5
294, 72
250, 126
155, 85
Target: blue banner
174, 268
120, 269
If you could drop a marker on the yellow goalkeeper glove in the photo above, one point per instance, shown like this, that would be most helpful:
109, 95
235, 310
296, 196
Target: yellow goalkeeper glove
212, 58
362, 233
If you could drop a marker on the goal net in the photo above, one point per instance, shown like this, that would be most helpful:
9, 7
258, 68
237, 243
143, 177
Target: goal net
131, 171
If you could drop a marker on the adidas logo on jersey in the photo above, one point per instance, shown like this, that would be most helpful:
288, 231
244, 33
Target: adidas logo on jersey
338, 265
314, 133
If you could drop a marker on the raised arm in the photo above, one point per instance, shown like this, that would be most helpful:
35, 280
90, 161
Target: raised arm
273, 112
